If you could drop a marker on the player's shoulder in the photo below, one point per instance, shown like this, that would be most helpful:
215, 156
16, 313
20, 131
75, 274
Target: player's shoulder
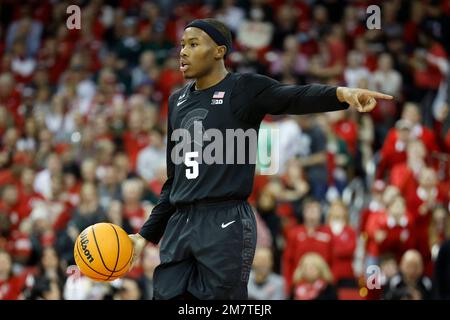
179, 93
250, 84
254, 78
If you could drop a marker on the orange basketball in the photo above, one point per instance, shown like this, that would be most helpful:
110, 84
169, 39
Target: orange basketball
103, 252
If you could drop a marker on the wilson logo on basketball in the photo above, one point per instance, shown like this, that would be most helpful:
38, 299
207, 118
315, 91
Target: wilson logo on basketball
84, 242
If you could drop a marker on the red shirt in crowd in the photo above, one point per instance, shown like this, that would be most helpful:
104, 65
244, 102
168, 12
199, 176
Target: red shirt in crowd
344, 245
399, 236
414, 201
347, 130
393, 152
374, 208
403, 177
15, 214
134, 143
430, 77
12, 103
299, 242
11, 288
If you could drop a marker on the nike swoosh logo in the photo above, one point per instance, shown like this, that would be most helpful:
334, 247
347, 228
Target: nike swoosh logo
224, 225
181, 102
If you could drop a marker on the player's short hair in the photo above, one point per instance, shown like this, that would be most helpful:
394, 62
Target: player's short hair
216, 29
221, 27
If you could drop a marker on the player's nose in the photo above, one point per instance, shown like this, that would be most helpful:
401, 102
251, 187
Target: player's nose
183, 52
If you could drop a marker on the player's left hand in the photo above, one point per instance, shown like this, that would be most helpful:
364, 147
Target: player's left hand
362, 99
139, 244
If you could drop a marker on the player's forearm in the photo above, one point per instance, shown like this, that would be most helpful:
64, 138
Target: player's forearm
313, 98
154, 227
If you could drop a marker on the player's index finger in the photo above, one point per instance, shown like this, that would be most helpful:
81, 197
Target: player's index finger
378, 95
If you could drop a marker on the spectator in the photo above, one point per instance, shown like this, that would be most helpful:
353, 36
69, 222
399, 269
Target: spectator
344, 245
11, 207
230, 14
42, 234
28, 28
88, 211
442, 272
28, 139
314, 160
115, 216
152, 157
293, 187
421, 203
339, 157
439, 230
10, 285
313, 279
108, 188
264, 284
256, 31
394, 152
45, 289
285, 24
128, 46
388, 268
389, 80
60, 120
290, 61
150, 260
311, 236
10, 96
21, 65
49, 281
266, 206
375, 205
355, 71
146, 70
134, 139
428, 74
133, 209
405, 175
89, 171
391, 231
411, 113
128, 290
42, 183
410, 283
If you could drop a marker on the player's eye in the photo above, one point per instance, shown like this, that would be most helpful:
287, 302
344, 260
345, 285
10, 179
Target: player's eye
182, 45
193, 45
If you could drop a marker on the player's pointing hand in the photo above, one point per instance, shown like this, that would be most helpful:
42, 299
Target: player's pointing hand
361, 99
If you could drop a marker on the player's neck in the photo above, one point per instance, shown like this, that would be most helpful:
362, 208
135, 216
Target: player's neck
211, 79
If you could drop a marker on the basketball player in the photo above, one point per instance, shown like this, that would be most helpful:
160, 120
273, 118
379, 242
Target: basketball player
209, 228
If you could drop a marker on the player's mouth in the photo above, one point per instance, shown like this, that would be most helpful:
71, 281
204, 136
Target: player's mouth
183, 66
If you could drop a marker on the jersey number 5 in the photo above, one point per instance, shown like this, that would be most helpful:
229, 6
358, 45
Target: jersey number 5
192, 170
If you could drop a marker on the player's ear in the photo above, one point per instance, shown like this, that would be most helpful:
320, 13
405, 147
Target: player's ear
220, 52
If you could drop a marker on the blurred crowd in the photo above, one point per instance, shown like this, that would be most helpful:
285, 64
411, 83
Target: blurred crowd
359, 208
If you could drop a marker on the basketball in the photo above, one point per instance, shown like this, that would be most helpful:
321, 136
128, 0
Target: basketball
103, 252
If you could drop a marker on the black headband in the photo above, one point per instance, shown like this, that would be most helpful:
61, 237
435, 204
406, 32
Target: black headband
215, 34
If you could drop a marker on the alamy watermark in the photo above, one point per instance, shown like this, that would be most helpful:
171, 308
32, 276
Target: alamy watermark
374, 278
374, 20
234, 146
74, 20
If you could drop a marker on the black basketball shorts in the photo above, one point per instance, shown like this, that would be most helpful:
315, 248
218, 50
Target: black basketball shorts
207, 251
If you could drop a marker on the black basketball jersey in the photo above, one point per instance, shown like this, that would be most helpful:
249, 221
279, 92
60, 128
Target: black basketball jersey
211, 147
